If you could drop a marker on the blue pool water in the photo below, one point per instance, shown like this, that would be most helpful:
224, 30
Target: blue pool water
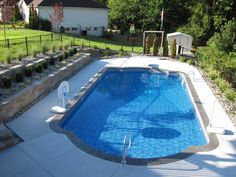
151, 108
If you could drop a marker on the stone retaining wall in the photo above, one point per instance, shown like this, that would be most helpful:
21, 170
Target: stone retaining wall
10, 106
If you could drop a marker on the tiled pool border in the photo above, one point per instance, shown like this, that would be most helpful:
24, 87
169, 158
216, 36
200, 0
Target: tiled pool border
212, 144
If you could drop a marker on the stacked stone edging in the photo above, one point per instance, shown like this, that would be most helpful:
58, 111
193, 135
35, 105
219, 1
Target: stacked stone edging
12, 105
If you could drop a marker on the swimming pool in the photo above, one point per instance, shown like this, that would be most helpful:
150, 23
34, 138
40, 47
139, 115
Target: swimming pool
153, 108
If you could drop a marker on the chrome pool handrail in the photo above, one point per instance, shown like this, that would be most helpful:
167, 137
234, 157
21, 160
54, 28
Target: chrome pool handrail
123, 161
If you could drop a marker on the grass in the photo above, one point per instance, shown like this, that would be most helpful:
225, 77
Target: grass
18, 46
20, 33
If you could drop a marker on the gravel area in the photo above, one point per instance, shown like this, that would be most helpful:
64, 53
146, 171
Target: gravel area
228, 106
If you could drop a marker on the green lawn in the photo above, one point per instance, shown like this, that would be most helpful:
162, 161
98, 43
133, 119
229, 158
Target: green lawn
19, 33
17, 43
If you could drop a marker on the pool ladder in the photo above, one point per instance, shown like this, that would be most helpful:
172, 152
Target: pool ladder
125, 149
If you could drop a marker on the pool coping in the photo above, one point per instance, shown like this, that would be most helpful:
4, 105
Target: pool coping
211, 137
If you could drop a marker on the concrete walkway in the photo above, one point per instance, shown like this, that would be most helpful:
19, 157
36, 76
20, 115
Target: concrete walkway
45, 153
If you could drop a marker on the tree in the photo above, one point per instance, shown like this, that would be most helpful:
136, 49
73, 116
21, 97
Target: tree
224, 40
147, 44
173, 49
155, 45
16, 14
57, 16
165, 48
33, 18
6, 10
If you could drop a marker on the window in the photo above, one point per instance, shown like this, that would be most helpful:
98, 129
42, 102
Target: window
95, 29
67, 29
74, 29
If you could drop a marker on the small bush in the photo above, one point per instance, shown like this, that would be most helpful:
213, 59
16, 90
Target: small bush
190, 62
38, 68
60, 57
20, 56
45, 65
230, 94
45, 25
182, 59
35, 51
106, 52
6, 82
65, 55
147, 45
75, 50
95, 47
222, 84
44, 49
53, 48
107, 48
155, 46
52, 61
173, 49
213, 74
7, 57
19, 77
28, 72
71, 52
165, 48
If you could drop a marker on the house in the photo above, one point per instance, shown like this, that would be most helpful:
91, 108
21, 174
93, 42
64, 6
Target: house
183, 41
85, 17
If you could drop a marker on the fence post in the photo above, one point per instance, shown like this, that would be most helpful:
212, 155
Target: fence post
26, 45
8, 43
74, 41
89, 41
40, 39
61, 38
51, 37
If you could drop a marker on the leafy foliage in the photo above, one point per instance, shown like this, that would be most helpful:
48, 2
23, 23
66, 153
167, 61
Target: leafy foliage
16, 16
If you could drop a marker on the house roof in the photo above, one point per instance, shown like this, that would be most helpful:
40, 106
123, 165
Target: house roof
73, 3
178, 34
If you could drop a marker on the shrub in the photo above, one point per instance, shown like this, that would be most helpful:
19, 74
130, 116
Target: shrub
53, 48
38, 68
165, 48
44, 49
213, 74
147, 45
173, 49
19, 77
230, 94
61, 57
35, 51
65, 55
190, 62
71, 52
107, 48
6, 82
28, 72
52, 61
95, 47
107, 52
45, 25
20, 56
45, 65
182, 59
222, 84
75, 50
7, 57
155, 46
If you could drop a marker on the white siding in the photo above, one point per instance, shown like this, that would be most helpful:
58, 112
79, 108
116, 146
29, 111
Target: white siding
181, 39
25, 11
81, 18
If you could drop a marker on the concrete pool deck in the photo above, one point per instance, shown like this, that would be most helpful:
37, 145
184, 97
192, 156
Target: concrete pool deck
45, 153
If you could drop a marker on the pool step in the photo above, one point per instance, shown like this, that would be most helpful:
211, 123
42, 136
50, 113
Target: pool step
7, 138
